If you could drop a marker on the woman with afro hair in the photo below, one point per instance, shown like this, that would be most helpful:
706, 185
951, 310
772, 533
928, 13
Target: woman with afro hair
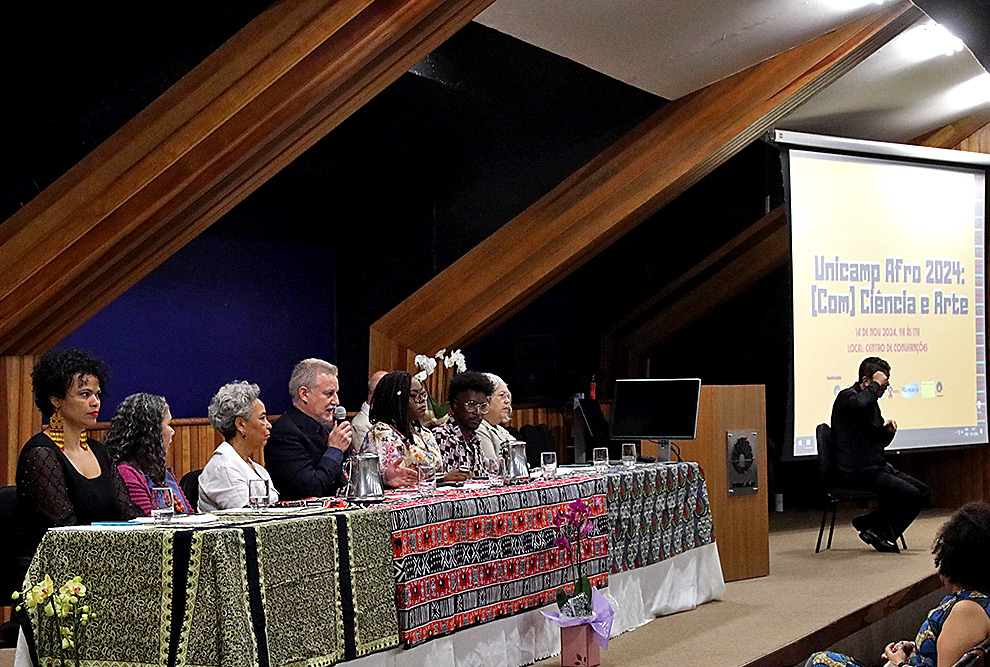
138, 438
962, 620
63, 477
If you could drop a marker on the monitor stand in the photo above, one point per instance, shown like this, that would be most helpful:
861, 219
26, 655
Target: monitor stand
663, 451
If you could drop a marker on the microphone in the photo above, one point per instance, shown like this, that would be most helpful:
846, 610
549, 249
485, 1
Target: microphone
339, 414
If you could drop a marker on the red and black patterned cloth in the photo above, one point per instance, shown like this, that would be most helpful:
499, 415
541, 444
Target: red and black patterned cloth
485, 554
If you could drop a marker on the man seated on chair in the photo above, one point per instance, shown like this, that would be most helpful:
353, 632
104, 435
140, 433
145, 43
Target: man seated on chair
859, 436
306, 450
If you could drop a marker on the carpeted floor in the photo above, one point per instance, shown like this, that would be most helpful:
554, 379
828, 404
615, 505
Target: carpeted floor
804, 592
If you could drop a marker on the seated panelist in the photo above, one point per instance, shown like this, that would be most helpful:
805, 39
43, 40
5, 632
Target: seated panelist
239, 415
469, 395
306, 451
63, 477
491, 430
138, 438
396, 435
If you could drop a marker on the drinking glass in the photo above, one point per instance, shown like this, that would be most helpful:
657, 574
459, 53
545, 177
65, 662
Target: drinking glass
496, 471
629, 454
259, 494
427, 483
548, 461
162, 504
600, 457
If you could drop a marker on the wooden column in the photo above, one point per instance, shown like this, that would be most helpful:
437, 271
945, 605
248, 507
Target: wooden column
617, 190
19, 418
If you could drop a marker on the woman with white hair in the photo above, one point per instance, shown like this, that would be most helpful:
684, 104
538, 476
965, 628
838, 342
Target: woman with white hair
491, 432
239, 415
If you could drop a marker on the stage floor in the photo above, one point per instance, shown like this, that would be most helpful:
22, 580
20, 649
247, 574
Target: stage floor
804, 592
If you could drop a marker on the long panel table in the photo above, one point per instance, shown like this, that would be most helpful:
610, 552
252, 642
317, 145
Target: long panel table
319, 586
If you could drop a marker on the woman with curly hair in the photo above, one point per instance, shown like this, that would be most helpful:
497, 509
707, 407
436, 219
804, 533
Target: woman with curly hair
239, 415
962, 620
138, 438
396, 434
63, 477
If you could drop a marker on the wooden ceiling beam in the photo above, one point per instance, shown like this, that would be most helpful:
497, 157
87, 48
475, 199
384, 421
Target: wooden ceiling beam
274, 89
624, 185
736, 267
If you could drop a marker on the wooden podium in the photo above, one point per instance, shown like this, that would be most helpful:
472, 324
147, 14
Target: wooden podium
741, 522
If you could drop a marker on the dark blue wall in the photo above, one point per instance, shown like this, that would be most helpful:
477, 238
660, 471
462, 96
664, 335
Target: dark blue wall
231, 305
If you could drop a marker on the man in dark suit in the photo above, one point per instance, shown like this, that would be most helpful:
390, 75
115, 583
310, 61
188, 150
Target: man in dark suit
305, 452
859, 436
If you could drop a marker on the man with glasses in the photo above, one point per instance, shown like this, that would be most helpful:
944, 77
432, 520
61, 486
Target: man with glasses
859, 436
470, 396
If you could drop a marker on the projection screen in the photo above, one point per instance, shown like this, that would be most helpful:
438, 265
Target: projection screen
887, 260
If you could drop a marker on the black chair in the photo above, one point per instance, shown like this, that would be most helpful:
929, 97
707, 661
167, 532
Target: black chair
835, 494
14, 559
190, 487
976, 656
539, 439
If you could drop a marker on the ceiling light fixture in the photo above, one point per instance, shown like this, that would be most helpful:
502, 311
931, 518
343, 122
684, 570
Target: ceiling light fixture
972, 93
850, 5
929, 41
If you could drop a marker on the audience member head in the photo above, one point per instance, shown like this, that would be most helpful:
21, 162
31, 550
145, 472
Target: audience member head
313, 387
373, 382
962, 546
239, 415
69, 382
140, 434
391, 403
501, 407
469, 396
869, 366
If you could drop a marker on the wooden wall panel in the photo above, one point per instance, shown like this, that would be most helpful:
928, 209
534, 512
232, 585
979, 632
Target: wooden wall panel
979, 141
19, 418
192, 444
628, 182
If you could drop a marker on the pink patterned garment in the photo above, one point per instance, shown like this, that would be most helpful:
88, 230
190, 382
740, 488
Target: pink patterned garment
386, 441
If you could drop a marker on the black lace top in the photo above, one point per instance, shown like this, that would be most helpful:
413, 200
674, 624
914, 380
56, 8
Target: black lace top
51, 492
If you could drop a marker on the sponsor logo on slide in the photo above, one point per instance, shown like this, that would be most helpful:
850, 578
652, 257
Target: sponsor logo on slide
928, 389
910, 390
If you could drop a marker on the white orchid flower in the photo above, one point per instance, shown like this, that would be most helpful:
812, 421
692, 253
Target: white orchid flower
421, 376
421, 361
440, 353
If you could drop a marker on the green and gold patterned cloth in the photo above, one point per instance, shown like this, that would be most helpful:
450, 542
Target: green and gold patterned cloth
272, 591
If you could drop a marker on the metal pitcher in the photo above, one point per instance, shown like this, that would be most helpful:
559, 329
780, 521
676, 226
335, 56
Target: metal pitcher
364, 478
514, 464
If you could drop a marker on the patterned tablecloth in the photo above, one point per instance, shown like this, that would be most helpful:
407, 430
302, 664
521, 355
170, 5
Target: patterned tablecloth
475, 556
656, 511
249, 591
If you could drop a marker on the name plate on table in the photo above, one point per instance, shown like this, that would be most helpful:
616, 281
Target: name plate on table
742, 466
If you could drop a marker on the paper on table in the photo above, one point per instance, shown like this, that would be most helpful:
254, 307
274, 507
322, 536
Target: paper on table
193, 519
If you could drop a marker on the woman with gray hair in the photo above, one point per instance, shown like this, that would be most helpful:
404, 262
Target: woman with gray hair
491, 432
239, 415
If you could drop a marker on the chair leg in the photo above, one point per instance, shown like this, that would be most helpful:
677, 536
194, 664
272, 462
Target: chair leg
831, 528
821, 530
903, 543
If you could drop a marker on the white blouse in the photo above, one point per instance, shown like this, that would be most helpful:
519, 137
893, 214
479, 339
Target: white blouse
223, 484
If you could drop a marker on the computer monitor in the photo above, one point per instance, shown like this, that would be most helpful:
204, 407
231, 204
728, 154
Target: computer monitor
656, 409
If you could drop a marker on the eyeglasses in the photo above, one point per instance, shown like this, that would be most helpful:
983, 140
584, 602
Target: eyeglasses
419, 396
472, 406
